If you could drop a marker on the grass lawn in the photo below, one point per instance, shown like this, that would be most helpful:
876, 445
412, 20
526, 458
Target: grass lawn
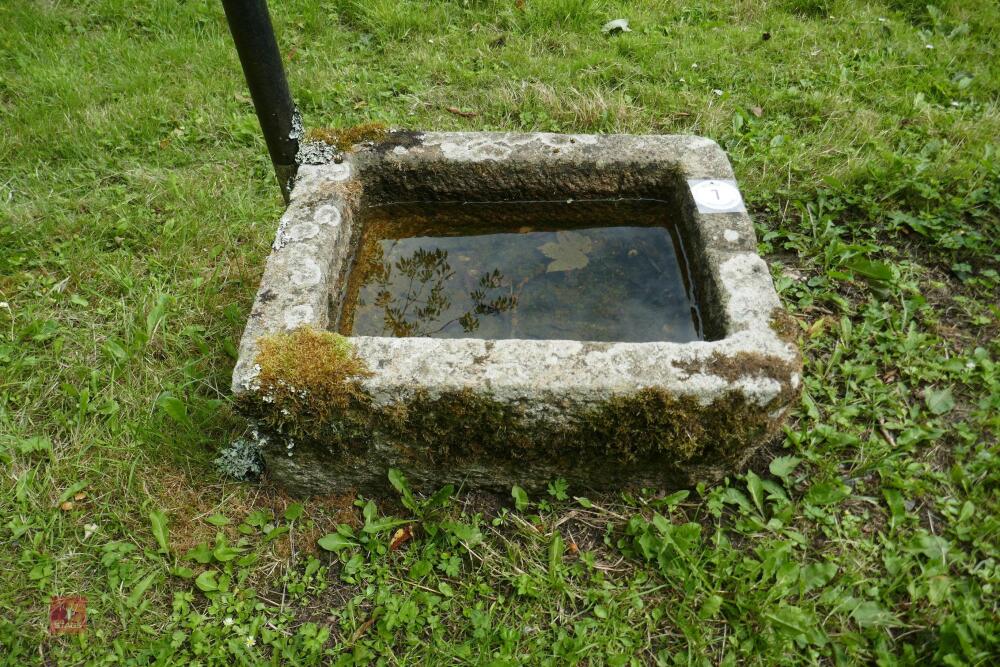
137, 205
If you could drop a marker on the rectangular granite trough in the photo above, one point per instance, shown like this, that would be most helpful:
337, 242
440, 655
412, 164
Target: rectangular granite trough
333, 413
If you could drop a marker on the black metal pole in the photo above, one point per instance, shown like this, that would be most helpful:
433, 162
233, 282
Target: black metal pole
253, 34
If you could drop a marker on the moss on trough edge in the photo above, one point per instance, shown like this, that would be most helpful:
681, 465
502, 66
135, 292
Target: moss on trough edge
310, 392
344, 138
306, 378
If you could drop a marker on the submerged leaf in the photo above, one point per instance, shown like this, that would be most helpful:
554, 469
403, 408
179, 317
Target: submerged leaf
568, 252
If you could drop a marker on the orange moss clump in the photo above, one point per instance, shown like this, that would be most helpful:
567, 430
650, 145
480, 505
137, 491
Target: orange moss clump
344, 138
308, 374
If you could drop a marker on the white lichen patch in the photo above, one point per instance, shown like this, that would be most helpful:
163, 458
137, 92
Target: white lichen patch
750, 295
339, 173
760, 390
566, 349
297, 316
249, 380
564, 141
279, 237
328, 214
290, 231
479, 148
731, 235
500, 146
297, 129
476, 151
305, 272
778, 414
302, 231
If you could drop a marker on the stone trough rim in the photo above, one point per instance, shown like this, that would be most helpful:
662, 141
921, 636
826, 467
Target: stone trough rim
747, 325
750, 355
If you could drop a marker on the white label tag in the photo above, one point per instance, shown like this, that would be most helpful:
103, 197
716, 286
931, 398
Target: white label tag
717, 196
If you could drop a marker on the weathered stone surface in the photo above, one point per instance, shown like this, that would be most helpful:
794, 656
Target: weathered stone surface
494, 413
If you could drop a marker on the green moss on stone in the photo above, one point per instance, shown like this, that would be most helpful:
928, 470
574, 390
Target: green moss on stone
307, 379
344, 138
647, 424
786, 326
311, 389
461, 424
653, 423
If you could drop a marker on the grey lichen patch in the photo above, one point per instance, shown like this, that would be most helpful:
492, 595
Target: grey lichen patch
297, 129
242, 459
316, 152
